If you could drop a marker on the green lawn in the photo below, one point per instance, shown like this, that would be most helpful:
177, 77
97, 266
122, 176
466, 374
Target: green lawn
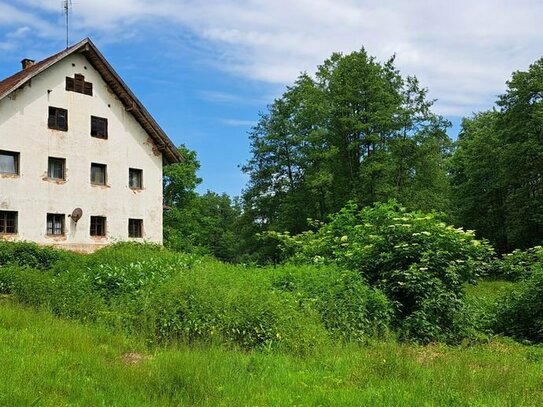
50, 362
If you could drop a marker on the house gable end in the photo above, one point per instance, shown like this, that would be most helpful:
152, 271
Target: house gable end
132, 105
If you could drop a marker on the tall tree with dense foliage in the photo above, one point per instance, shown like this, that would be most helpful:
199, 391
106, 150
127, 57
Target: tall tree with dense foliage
197, 223
180, 179
357, 130
497, 168
477, 180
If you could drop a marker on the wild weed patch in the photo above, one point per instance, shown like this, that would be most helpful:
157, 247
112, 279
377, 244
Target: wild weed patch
168, 297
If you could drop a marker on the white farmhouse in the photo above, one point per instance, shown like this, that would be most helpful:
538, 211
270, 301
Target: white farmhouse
80, 157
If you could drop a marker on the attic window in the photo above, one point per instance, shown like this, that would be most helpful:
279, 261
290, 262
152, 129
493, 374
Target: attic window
78, 84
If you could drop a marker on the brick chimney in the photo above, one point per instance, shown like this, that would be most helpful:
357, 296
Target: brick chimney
27, 63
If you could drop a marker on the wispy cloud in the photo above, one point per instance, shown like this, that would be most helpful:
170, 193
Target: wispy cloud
219, 97
237, 122
463, 51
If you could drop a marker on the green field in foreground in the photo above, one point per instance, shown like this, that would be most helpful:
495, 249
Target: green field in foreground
50, 362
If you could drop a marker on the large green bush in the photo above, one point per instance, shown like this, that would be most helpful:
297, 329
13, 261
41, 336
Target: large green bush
416, 259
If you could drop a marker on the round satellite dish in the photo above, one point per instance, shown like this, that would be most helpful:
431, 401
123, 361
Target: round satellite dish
76, 214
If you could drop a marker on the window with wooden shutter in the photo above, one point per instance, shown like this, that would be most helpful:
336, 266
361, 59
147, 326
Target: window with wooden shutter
78, 84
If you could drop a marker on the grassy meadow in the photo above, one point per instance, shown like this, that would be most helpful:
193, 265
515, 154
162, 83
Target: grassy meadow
138, 325
51, 362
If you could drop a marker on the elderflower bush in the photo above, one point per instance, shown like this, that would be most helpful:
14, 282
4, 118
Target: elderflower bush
418, 261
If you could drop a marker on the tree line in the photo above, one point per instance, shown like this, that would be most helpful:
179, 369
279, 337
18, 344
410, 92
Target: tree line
358, 131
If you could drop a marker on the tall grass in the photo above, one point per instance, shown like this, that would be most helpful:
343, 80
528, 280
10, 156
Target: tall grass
167, 297
51, 362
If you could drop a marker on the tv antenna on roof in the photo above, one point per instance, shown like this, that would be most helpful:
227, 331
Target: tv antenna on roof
67, 8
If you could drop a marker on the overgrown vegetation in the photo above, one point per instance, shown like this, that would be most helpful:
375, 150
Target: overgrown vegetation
418, 261
519, 264
496, 168
170, 297
520, 313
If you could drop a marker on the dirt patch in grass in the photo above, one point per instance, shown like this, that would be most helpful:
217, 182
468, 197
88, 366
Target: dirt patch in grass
133, 358
428, 354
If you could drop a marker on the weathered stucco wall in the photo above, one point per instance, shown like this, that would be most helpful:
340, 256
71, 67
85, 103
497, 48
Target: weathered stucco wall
23, 129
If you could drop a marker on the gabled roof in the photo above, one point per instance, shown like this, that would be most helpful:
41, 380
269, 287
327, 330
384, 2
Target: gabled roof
113, 80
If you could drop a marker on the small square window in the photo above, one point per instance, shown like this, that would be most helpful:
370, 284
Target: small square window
55, 224
135, 227
56, 168
98, 174
135, 178
9, 162
8, 222
58, 119
98, 127
97, 226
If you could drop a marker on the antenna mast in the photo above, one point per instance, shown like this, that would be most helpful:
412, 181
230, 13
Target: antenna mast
67, 5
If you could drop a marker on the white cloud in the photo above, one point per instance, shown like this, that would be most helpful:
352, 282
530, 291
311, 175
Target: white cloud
238, 122
219, 97
463, 51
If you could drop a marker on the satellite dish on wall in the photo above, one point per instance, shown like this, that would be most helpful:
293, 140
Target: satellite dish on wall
76, 214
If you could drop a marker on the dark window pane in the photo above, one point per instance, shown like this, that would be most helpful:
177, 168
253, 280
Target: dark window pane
56, 168
8, 222
55, 224
135, 227
98, 127
98, 226
58, 118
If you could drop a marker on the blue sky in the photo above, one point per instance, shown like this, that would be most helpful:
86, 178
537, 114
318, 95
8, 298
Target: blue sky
205, 69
